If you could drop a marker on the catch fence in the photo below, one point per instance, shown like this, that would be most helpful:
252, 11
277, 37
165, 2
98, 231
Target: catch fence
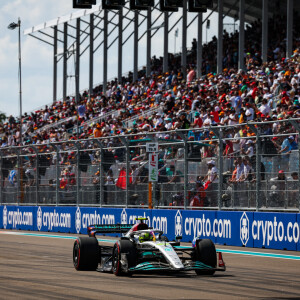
239, 167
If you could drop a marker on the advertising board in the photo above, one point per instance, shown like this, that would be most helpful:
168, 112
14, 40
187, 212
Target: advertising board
249, 229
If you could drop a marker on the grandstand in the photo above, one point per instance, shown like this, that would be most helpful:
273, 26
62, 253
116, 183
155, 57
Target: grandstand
227, 140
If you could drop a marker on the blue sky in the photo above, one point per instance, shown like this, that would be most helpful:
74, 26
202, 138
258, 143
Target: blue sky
37, 56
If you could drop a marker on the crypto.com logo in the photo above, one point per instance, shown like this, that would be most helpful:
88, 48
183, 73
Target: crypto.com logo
123, 216
39, 218
78, 220
4, 217
244, 229
178, 224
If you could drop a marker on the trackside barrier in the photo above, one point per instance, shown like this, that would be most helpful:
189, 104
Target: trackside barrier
249, 229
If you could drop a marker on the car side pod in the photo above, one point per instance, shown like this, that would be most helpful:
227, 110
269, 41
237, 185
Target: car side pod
221, 263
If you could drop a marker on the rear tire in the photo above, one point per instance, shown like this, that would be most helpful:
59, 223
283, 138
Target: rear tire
205, 252
121, 247
86, 254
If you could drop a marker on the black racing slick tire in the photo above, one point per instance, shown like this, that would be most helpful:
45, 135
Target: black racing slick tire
86, 254
205, 252
123, 247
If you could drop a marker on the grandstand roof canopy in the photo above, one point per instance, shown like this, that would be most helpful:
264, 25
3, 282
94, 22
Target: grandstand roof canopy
63, 19
253, 8
253, 11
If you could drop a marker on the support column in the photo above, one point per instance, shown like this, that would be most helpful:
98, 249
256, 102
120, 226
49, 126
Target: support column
55, 64
265, 31
184, 29
166, 42
289, 37
65, 56
135, 45
199, 46
148, 54
220, 38
120, 46
242, 35
105, 51
91, 59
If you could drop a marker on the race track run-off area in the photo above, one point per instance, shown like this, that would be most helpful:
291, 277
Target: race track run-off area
39, 266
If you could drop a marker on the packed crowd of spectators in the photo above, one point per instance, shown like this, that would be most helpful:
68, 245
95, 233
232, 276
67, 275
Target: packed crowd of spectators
266, 93
262, 91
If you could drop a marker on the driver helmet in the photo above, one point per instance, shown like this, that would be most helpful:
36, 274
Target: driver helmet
145, 236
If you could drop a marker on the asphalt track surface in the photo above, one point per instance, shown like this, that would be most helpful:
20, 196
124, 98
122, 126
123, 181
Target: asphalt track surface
37, 267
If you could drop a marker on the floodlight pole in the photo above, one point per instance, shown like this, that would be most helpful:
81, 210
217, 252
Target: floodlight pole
55, 64
91, 55
65, 55
120, 46
265, 31
289, 38
148, 54
105, 21
242, 35
166, 41
135, 45
20, 81
220, 38
184, 32
199, 46
77, 70
13, 26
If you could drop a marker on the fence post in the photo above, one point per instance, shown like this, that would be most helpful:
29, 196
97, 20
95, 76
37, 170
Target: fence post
185, 171
57, 177
185, 168
77, 145
258, 163
56, 174
220, 167
101, 173
1, 179
101, 181
297, 127
19, 184
258, 173
126, 144
219, 135
37, 175
127, 172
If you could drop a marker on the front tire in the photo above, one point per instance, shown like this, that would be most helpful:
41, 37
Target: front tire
123, 247
86, 254
205, 252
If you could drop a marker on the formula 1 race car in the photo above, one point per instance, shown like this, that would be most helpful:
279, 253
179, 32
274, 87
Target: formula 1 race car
142, 249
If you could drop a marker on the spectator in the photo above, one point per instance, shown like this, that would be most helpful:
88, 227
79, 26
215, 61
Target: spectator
212, 173
174, 175
288, 145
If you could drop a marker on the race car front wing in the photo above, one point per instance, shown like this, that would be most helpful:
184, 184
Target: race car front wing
188, 266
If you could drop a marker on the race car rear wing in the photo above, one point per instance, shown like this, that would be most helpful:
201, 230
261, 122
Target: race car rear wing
115, 228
